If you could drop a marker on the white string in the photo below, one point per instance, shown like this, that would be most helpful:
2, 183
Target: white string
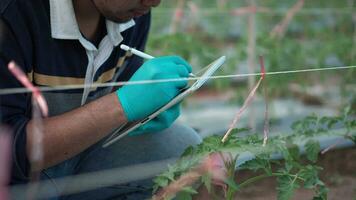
270, 10
113, 84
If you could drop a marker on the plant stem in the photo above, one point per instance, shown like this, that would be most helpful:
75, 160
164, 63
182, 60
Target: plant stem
256, 178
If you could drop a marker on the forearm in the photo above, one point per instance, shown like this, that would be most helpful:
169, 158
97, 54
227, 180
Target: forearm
68, 134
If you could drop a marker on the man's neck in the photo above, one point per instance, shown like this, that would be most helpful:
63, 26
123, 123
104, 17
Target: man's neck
89, 19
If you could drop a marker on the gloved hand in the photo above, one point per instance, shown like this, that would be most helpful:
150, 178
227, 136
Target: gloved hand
161, 122
140, 100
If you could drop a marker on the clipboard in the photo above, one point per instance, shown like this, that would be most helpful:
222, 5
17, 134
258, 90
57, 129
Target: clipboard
128, 127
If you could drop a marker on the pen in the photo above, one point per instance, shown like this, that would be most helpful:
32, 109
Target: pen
141, 54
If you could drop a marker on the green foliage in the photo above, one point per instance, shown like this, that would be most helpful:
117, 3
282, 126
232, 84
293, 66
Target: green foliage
307, 126
294, 172
189, 190
206, 179
286, 186
186, 45
319, 35
186, 193
321, 191
313, 39
258, 163
353, 138
310, 176
312, 149
184, 196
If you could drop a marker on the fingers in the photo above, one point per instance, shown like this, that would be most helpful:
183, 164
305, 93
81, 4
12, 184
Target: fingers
173, 72
169, 116
173, 81
161, 122
180, 61
176, 60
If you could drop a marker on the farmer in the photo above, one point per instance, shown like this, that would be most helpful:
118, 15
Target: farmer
65, 42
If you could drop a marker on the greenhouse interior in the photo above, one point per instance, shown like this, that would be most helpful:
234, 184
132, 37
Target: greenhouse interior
182, 99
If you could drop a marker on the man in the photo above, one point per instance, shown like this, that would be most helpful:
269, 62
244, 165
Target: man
64, 42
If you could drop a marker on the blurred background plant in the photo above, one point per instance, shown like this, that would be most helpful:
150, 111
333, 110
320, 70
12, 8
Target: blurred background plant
290, 34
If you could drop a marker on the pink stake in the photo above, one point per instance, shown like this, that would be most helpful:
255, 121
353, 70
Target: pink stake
214, 164
247, 103
266, 123
193, 7
337, 142
39, 107
263, 70
242, 109
36, 94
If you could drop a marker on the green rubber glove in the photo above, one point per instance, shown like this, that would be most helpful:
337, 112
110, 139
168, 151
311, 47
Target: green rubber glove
161, 122
140, 100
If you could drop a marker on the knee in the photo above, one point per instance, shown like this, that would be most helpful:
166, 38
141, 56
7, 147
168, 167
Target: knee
178, 137
185, 134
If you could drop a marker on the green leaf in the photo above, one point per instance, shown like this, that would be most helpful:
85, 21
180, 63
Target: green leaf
188, 151
291, 166
310, 176
294, 153
257, 164
206, 179
209, 144
324, 120
236, 131
329, 121
189, 190
312, 149
286, 186
352, 124
297, 125
352, 138
306, 126
312, 119
332, 122
184, 196
231, 183
291, 155
169, 175
160, 181
321, 191
254, 139
347, 111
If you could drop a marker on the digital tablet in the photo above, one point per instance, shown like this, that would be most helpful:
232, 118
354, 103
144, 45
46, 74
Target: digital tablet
127, 128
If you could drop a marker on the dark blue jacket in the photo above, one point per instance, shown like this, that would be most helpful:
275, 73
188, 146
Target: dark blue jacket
25, 37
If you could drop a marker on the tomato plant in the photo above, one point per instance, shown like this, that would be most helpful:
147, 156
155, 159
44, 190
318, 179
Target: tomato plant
297, 167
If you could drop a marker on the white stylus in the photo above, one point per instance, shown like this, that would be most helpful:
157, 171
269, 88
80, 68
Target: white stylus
141, 54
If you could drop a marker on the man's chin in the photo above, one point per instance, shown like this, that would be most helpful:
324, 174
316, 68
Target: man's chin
121, 19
